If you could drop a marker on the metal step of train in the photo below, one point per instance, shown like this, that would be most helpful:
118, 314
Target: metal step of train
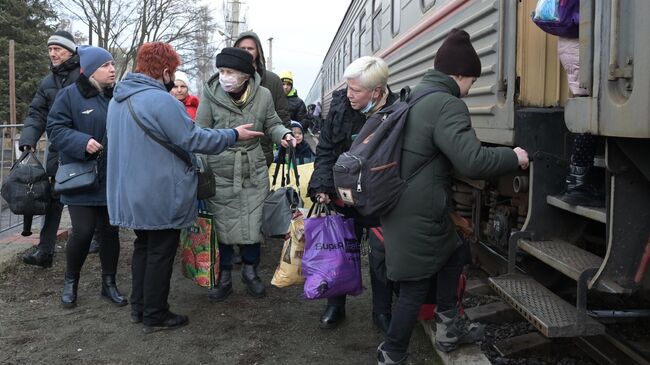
597, 214
549, 313
567, 258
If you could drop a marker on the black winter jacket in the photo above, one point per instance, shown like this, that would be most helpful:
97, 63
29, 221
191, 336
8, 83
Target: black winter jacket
272, 82
61, 76
297, 108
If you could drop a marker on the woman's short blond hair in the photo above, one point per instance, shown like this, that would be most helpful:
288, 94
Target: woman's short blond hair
371, 72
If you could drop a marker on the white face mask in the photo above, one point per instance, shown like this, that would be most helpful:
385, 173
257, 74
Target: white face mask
232, 83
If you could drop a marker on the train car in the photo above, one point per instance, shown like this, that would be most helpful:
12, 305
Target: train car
528, 238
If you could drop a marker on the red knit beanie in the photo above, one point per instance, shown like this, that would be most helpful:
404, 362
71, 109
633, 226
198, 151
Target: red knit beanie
456, 56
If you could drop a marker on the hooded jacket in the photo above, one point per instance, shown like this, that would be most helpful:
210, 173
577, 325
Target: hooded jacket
149, 187
272, 82
61, 76
419, 234
79, 114
240, 172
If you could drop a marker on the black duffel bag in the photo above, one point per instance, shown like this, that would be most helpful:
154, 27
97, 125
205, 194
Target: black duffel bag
27, 187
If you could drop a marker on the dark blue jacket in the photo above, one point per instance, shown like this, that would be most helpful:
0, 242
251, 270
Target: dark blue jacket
79, 114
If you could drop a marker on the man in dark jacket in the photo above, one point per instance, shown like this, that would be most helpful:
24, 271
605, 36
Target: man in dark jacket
297, 109
65, 71
420, 239
367, 93
250, 42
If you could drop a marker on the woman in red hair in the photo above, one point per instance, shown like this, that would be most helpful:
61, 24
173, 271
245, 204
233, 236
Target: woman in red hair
148, 184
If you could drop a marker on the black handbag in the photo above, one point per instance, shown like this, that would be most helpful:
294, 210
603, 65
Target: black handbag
27, 187
206, 187
79, 176
281, 204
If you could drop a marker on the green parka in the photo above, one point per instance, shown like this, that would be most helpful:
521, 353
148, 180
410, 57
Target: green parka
240, 171
419, 235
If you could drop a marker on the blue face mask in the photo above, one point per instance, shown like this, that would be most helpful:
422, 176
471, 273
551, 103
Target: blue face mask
371, 104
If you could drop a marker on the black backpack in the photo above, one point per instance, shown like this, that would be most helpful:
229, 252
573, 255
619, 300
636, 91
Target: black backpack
367, 177
27, 187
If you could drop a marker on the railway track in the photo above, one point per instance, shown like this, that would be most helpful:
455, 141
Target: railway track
522, 344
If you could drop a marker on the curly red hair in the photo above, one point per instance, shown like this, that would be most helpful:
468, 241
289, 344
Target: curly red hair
154, 57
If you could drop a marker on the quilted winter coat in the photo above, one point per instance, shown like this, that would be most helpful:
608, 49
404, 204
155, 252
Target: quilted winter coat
240, 171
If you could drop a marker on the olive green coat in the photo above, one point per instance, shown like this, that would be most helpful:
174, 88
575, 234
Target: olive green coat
419, 235
240, 171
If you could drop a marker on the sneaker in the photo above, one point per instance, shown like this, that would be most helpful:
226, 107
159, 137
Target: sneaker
453, 330
388, 358
171, 321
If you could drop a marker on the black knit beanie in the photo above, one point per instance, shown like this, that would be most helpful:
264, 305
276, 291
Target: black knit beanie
237, 59
456, 56
63, 39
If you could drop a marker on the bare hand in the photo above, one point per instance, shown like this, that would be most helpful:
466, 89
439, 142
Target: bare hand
245, 132
93, 146
323, 198
522, 157
288, 138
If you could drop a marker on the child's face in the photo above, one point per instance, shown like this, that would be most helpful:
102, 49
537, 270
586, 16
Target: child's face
297, 134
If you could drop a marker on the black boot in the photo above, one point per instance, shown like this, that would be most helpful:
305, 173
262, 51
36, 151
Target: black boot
332, 317
579, 191
70, 285
254, 284
110, 291
38, 258
223, 288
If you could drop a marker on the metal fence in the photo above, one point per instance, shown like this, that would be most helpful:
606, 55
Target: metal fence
8, 156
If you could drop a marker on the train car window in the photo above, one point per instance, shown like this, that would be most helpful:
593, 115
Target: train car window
362, 31
425, 5
376, 27
396, 15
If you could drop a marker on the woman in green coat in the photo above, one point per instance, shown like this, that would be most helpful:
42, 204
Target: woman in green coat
420, 239
231, 98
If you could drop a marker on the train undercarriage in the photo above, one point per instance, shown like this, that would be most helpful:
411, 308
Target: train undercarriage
557, 264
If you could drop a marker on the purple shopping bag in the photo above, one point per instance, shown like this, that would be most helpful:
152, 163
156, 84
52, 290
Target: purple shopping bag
331, 263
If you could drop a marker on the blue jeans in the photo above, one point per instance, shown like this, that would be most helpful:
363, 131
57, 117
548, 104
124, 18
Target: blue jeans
250, 255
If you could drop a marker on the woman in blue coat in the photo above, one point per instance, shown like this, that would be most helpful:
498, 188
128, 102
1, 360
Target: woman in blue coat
76, 127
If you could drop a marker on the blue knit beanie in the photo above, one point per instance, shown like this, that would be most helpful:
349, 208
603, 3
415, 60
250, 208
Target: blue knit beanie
91, 58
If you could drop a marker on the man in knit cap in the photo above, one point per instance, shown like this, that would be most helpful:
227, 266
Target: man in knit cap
423, 248
250, 42
64, 67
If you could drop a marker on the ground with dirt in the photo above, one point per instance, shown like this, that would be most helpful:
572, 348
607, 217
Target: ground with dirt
279, 329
